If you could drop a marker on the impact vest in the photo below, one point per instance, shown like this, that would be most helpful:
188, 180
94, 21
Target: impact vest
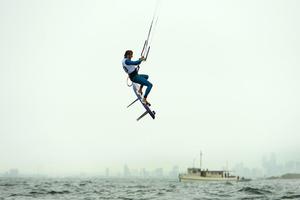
128, 68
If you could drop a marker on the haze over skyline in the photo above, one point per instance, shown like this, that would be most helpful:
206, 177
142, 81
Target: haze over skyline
225, 75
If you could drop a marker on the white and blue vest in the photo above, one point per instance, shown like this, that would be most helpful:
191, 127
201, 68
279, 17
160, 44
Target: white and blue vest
128, 68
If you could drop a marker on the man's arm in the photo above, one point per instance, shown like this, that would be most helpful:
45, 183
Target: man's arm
130, 62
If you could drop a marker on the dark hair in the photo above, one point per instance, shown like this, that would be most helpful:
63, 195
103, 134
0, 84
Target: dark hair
127, 53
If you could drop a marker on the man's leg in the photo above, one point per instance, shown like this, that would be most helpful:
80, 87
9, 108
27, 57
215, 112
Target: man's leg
143, 81
144, 75
141, 87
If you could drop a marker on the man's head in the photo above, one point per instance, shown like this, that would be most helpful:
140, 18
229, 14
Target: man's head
128, 54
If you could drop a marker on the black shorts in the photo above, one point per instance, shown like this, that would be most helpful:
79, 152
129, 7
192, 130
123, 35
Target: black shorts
133, 74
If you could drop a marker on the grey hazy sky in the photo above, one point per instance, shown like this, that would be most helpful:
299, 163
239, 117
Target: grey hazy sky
225, 75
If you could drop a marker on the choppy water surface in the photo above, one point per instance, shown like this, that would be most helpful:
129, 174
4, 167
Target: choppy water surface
134, 189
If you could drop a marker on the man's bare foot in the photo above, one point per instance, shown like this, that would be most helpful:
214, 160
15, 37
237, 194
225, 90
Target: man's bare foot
146, 102
140, 91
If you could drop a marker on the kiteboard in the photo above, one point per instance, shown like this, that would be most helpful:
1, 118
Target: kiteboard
139, 98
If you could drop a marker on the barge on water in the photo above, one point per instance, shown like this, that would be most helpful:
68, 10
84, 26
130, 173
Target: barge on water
199, 174
196, 174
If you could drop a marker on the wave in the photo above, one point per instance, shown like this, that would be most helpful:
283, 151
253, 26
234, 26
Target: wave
296, 196
8, 185
52, 192
251, 190
59, 192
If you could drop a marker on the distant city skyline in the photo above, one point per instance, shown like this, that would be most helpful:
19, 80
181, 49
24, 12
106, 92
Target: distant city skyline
270, 166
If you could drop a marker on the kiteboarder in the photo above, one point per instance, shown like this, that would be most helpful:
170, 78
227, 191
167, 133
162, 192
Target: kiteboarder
131, 68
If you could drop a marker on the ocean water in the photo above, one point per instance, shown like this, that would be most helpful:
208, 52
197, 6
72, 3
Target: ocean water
134, 189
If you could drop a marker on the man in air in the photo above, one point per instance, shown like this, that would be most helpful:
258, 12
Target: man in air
130, 68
